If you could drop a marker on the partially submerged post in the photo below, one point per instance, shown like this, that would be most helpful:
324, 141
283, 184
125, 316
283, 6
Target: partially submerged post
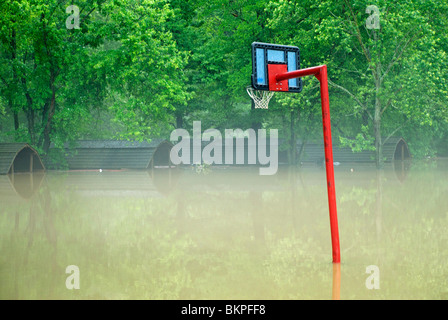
277, 68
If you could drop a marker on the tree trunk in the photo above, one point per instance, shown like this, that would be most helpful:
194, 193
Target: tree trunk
15, 116
302, 148
47, 129
377, 119
13, 57
29, 111
30, 118
179, 120
378, 141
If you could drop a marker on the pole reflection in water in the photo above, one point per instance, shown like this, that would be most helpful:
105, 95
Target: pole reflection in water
336, 293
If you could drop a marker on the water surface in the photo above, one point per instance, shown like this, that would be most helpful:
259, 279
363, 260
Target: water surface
225, 234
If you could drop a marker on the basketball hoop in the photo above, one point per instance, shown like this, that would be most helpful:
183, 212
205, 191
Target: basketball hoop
260, 98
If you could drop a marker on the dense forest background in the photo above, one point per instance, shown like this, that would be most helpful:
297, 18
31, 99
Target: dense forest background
137, 69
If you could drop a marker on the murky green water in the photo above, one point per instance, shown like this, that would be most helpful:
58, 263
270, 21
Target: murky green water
228, 234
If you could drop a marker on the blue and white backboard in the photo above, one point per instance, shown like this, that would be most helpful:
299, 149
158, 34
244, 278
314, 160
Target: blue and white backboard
264, 54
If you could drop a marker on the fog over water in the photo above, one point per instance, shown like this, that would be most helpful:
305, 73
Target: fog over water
225, 234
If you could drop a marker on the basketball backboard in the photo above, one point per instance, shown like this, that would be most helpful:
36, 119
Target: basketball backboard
271, 59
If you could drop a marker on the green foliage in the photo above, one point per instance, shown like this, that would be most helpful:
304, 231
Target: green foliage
362, 141
122, 61
2, 107
138, 69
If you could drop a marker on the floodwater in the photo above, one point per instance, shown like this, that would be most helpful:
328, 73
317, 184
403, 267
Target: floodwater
225, 234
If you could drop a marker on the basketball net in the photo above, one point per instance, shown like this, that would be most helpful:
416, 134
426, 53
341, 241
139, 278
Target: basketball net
261, 98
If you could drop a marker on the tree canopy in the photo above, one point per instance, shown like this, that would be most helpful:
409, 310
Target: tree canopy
137, 69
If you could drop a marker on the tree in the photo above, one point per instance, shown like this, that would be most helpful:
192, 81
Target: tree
138, 69
375, 66
375, 74
218, 34
294, 23
121, 56
147, 69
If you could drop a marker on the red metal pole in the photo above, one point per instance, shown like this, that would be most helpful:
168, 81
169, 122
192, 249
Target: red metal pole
320, 73
325, 101
299, 73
